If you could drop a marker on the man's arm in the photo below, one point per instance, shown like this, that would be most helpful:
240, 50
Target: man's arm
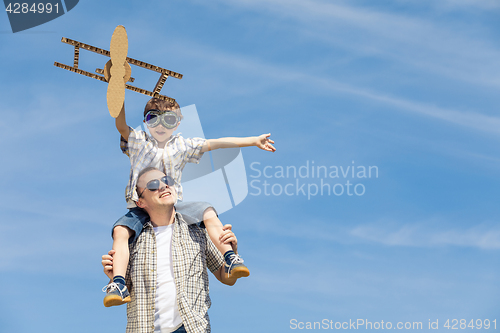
261, 141
107, 263
227, 237
121, 124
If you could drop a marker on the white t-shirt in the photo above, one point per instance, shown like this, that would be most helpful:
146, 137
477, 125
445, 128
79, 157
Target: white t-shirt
167, 317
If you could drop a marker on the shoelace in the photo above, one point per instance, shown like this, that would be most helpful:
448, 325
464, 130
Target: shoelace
235, 259
112, 286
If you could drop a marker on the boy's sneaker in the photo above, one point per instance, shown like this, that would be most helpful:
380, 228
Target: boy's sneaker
236, 268
116, 294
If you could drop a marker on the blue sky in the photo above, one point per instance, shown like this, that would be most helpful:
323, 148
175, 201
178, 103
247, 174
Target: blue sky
410, 87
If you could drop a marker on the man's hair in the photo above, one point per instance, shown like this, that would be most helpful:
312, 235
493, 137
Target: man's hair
146, 170
162, 105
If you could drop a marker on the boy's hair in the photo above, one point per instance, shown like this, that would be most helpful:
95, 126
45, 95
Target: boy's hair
162, 105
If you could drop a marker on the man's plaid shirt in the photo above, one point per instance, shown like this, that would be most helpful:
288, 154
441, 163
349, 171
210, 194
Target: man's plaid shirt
142, 149
192, 253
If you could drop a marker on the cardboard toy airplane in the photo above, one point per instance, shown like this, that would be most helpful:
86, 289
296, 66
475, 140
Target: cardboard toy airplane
117, 71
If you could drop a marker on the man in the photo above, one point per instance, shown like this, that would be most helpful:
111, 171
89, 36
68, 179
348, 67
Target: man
167, 272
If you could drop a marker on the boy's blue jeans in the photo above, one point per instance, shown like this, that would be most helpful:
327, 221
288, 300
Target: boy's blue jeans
180, 330
134, 220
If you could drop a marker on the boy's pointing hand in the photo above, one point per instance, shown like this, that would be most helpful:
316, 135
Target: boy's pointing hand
264, 143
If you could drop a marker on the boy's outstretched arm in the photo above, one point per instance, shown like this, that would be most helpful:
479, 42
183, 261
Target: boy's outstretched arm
121, 124
261, 141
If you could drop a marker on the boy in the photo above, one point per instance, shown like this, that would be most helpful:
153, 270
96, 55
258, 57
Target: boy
169, 153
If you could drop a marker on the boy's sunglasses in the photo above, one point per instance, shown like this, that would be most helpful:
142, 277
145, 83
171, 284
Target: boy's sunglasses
168, 119
154, 185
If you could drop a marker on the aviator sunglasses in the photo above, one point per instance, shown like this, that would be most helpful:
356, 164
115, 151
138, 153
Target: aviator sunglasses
154, 185
168, 119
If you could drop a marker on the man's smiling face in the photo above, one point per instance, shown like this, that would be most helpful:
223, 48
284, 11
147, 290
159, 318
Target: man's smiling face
165, 196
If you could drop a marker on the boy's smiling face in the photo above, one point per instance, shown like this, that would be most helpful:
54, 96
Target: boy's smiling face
160, 133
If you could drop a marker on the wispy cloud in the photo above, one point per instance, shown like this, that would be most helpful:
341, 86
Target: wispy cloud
467, 4
278, 74
432, 232
457, 51
339, 272
53, 231
483, 236
45, 112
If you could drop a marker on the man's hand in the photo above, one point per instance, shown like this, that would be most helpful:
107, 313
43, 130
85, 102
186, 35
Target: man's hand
107, 263
264, 143
228, 237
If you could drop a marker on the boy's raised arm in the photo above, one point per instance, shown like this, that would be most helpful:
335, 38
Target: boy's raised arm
121, 124
261, 141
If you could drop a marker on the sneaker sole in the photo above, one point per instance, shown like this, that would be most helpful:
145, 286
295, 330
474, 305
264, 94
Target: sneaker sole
239, 272
114, 300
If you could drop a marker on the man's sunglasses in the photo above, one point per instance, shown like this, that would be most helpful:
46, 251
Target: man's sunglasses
154, 185
169, 119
